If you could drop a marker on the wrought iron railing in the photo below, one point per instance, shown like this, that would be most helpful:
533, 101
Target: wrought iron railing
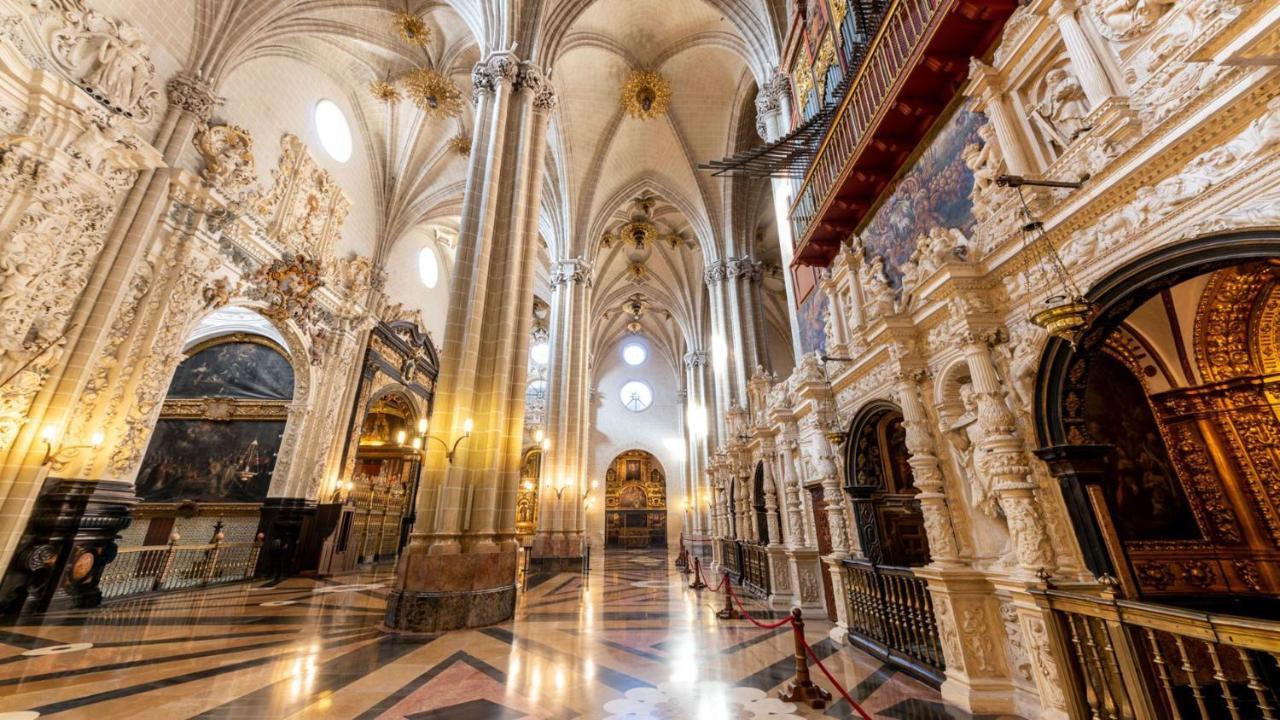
1136, 660
730, 558
755, 569
888, 57
154, 568
891, 616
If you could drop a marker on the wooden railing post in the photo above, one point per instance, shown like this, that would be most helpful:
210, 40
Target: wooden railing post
211, 560
168, 561
803, 689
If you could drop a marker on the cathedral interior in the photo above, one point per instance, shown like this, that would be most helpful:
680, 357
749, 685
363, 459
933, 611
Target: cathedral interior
553, 359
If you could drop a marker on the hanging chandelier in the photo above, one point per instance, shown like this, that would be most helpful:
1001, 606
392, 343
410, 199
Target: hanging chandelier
646, 94
1066, 313
433, 93
412, 29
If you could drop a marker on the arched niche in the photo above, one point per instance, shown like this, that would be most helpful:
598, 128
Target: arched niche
388, 460
222, 429
635, 501
1162, 423
878, 479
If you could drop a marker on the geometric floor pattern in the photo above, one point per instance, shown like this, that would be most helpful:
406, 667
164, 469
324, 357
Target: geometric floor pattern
626, 640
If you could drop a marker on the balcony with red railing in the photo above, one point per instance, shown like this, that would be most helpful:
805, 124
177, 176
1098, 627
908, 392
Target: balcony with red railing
913, 69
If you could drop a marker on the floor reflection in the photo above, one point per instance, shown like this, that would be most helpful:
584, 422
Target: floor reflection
627, 640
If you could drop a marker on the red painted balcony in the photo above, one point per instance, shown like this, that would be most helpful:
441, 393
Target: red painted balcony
915, 67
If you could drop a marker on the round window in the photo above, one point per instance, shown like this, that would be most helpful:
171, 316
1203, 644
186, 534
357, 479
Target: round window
428, 267
636, 396
333, 129
634, 353
540, 353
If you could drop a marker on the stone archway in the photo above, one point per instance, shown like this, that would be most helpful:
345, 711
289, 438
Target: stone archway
1162, 423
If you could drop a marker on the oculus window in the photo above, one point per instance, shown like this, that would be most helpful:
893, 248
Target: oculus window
634, 353
334, 130
637, 396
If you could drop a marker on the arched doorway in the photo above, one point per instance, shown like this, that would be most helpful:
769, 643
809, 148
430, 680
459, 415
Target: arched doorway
890, 524
635, 502
1164, 423
1162, 426
759, 506
385, 475
882, 584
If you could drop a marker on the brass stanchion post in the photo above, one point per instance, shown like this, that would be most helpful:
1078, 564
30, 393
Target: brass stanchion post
728, 612
802, 689
697, 583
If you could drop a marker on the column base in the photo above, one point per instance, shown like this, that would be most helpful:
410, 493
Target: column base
451, 591
415, 611
70, 538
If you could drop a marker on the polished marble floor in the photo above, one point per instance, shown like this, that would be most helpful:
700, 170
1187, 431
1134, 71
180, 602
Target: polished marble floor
627, 640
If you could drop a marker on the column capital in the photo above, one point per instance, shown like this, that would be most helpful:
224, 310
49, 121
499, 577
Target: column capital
193, 94
571, 270
695, 359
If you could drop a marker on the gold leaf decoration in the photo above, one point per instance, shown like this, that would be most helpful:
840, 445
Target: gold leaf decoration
412, 28
385, 91
646, 94
433, 93
461, 144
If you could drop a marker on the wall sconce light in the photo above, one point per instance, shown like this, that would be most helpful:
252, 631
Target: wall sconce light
52, 454
561, 485
586, 499
400, 437
467, 426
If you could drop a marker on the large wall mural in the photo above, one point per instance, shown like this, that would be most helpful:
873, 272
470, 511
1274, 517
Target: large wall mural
221, 425
934, 192
812, 318
234, 369
210, 461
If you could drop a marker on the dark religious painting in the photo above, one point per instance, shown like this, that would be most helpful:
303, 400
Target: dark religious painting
234, 369
632, 496
934, 192
1148, 499
208, 461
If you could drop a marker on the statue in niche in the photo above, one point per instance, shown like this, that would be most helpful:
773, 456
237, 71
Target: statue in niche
1062, 110
964, 435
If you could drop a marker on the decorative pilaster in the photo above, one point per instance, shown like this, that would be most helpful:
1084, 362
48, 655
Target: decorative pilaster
925, 472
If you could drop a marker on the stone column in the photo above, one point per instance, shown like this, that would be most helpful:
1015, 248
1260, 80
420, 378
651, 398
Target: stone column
695, 426
773, 120
1001, 457
558, 543
459, 569
925, 472
1093, 77
995, 103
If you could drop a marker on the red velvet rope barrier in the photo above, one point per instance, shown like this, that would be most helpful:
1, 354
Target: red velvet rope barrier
763, 626
808, 649
839, 687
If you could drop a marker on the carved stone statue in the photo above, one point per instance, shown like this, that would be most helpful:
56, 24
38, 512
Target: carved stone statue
965, 436
1127, 19
228, 159
875, 286
987, 163
1060, 114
